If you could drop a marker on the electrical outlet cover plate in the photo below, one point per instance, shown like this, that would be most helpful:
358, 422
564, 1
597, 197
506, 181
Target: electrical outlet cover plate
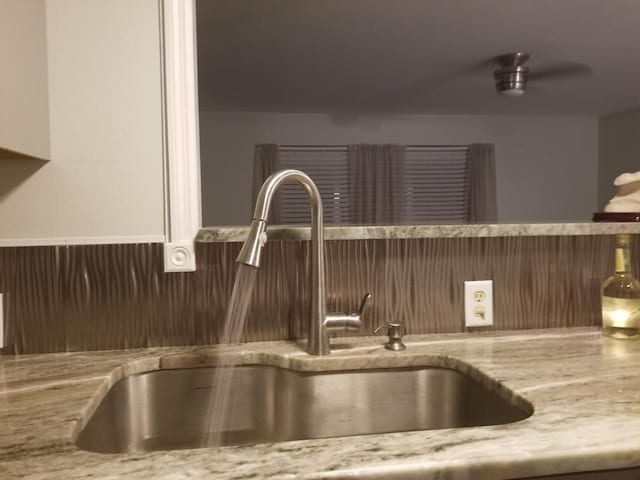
478, 303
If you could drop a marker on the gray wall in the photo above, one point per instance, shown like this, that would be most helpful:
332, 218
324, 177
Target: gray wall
619, 150
546, 166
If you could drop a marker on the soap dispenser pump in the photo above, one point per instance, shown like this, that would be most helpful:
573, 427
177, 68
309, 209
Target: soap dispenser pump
395, 332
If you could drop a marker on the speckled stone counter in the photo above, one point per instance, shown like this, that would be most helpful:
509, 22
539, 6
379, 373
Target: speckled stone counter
585, 390
364, 232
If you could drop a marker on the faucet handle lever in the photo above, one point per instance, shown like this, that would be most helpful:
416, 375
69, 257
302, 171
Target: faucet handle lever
347, 321
364, 304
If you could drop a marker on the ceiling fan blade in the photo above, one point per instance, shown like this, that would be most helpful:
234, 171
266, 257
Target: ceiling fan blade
482, 67
421, 87
561, 71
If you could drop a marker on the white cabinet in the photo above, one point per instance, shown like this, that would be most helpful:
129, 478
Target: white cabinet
24, 98
94, 107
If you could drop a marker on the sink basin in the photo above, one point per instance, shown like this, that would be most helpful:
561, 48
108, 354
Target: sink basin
167, 409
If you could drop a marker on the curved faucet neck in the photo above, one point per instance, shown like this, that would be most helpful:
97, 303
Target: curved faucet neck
250, 253
272, 184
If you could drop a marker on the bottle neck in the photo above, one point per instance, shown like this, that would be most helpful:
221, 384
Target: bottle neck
623, 259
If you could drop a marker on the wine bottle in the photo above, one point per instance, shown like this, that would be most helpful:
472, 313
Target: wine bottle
621, 296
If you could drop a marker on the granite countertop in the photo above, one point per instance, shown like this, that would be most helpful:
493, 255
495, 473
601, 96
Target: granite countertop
364, 232
585, 390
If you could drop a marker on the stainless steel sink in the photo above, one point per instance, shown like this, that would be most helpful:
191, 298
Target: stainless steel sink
167, 409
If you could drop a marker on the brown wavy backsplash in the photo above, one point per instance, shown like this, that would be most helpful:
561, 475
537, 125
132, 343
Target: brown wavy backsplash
116, 296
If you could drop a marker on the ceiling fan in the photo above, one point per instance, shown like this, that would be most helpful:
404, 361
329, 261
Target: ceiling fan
512, 74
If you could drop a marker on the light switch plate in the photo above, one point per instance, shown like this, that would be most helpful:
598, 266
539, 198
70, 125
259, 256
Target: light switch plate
478, 303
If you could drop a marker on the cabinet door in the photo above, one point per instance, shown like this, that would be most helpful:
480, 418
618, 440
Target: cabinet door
24, 102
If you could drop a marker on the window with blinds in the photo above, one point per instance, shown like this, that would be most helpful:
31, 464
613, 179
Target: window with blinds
434, 189
436, 185
328, 167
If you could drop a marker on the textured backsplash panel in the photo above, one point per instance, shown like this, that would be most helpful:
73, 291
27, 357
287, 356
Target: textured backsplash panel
117, 296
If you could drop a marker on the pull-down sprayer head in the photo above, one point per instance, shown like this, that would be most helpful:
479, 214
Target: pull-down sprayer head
251, 251
252, 248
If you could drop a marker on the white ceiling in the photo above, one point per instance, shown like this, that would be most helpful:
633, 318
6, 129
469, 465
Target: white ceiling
414, 56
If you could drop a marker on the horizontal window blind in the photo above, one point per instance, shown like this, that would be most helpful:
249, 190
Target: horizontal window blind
328, 168
434, 187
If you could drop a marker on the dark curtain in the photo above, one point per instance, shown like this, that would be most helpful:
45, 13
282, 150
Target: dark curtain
376, 177
481, 172
265, 162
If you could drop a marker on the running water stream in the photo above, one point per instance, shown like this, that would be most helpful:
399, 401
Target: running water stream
235, 319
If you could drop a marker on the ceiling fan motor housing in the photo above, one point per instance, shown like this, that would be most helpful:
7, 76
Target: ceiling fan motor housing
511, 80
511, 77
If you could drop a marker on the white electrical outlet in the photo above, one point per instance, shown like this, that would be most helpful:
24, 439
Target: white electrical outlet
1, 322
478, 303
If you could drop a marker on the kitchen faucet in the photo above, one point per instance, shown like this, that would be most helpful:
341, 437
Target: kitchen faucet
320, 322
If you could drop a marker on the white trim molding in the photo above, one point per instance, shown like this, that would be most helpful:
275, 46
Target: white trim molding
40, 242
183, 216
